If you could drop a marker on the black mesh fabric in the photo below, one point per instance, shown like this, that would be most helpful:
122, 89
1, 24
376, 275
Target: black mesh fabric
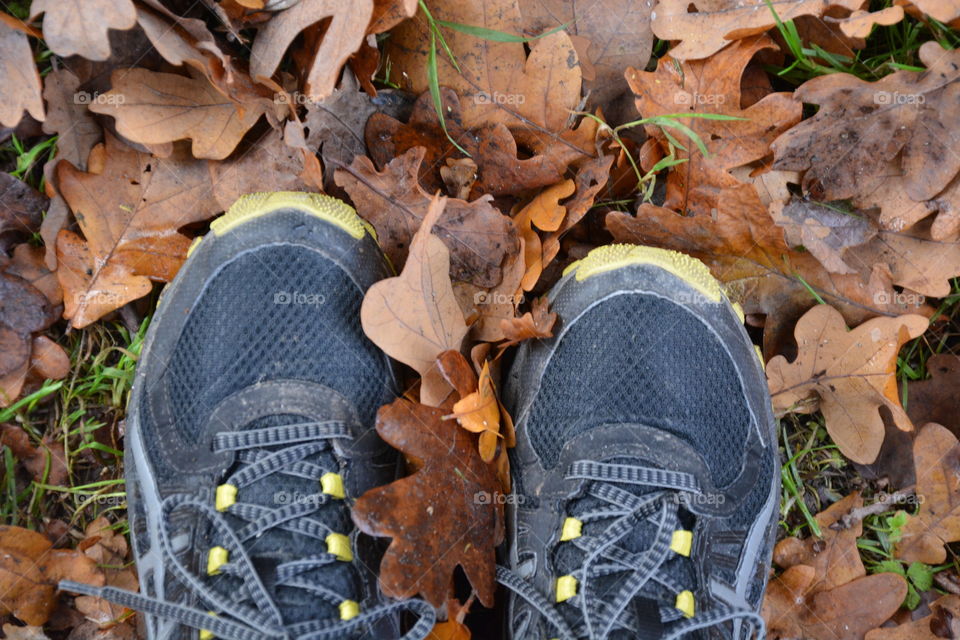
277, 312
639, 358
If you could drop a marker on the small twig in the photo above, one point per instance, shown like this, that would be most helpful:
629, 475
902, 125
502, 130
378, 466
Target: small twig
886, 501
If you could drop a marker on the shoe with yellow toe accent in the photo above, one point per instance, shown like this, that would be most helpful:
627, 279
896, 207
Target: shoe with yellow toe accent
645, 472
250, 433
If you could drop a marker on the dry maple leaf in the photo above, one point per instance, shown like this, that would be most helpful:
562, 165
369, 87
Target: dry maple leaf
129, 214
80, 27
714, 23
861, 126
499, 83
443, 515
343, 36
853, 372
414, 317
156, 108
478, 236
30, 568
609, 36
941, 623
479, 412
936, 455
18, 77
712, 86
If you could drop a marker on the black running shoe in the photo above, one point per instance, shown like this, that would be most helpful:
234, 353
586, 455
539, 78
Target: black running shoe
250, 432
646, 472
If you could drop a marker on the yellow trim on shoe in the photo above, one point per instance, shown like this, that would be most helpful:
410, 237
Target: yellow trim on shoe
615, 256
254, 205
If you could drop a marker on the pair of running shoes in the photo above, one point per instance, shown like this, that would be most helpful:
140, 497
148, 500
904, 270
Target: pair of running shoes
645, 475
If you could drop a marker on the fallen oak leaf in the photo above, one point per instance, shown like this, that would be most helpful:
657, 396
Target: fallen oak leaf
853, 372
18, 76
30, 569
414, 316
344, 35
846, 612
834, 557
499, 82
609, 36
945, 11
536, 323
21, 210
861, 126
712, 87
156, 108
546, 212
936, 454
80, 27
941, 623
823, 230
478, 236
713, 25
479, 412
129, 214
936, 399
437, 517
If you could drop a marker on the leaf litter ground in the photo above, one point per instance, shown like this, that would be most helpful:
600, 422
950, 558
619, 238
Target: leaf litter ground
806, 151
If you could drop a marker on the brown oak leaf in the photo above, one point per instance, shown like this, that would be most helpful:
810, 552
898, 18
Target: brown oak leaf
343, 36
29, 570
536, 323
18, 76
853, 372
943, 622
129, 214
936, 455
156, 108
478, 236
862, 126
80, 27
499, 83
414, 317
713, 24
441, 516
712, 86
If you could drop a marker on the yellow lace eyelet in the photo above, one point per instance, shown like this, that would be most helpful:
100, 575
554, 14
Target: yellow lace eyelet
349, 610
339, 545
572, 529
682, 542
216, 558
685, 603
332, 485
566, 588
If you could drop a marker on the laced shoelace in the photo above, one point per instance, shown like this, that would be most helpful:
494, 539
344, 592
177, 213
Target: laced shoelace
250, 612
624, 511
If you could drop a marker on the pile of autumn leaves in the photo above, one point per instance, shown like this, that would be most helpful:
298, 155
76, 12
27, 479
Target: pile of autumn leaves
855, 208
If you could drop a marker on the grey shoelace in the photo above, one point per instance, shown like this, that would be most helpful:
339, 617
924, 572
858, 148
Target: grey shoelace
250, 613
602, 612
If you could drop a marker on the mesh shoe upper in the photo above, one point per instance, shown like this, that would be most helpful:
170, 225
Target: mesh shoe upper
648, 409
254, 404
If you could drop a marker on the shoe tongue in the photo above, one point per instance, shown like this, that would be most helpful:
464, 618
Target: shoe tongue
277, 545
